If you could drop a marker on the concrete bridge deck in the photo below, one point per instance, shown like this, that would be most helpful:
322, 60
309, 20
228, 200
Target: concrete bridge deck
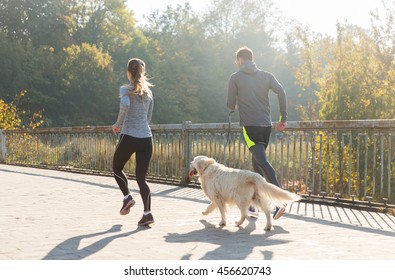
50, 215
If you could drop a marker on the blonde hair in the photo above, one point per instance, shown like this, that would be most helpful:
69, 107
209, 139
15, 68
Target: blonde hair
136, 68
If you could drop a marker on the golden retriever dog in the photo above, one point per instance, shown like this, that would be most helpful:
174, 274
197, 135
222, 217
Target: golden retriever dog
228, 186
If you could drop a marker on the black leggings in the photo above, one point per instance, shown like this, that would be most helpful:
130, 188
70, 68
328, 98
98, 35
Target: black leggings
127, 146
261, 165
257, 139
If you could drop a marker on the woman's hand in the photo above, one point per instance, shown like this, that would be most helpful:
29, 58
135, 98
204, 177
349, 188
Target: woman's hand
115, 129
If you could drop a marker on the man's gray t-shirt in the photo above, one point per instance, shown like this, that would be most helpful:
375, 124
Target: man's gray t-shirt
249, 89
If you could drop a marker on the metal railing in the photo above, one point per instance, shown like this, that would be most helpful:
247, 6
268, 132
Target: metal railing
332, 160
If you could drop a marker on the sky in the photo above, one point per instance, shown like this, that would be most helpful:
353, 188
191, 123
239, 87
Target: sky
319, 15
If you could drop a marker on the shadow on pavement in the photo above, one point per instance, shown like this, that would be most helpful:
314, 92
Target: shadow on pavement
340, 225
231, 245
64, 178
68, 249
163, 193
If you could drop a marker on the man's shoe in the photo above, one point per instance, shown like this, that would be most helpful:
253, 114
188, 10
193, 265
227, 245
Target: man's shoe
252, 212
146, 220
278, 212
127, 204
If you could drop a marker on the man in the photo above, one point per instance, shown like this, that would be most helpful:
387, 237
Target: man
249, 89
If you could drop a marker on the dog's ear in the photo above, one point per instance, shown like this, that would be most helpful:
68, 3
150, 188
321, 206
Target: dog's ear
203, 163
210, 161
200, 165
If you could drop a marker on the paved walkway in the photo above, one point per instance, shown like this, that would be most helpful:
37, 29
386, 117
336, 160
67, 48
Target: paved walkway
48, 214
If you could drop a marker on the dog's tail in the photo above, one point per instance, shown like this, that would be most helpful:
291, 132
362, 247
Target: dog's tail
277, 195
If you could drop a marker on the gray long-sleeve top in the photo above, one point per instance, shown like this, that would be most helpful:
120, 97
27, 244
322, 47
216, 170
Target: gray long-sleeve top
135, 112
249, 89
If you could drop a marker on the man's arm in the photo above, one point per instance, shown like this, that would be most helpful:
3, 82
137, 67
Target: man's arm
278, 89
232, 95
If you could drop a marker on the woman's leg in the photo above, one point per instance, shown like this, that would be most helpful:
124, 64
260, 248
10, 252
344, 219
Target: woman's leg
143, 158
123, 152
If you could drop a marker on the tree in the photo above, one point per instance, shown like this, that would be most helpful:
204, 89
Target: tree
8, 116
106, 23
25, 67
383, 33
12, 117
175, 33
351, 77
195, 55
86, 94
313, 52
356, 84
11, 71
45, 45
41, 22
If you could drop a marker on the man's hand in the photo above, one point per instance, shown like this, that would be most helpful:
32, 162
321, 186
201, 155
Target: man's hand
280, 126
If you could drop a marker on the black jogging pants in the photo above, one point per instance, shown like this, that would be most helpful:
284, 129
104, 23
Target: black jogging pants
126, 147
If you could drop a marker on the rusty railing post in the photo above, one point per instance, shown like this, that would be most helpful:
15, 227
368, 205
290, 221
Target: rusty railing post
186, 152
3, 146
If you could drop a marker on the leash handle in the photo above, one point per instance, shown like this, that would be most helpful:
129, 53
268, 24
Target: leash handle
229, 122
228, 137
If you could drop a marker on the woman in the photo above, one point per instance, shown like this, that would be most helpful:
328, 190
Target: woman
133, 122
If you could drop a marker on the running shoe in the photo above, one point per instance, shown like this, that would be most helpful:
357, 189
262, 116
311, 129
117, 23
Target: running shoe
146, 220
252, 212
278, 212
127, 204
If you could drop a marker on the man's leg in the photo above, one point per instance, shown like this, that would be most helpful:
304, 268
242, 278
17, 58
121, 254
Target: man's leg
263, 167
252, 211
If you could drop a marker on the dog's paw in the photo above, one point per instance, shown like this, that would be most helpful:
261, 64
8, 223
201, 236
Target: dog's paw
238, 224
268, 228
205, 213
222, 223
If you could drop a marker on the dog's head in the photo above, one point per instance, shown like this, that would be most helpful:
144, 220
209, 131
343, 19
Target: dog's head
199, 164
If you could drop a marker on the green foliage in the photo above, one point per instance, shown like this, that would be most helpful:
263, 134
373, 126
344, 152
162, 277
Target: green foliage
71, 55
195, 56
41, 22
69, 80
176, 33
352, 77
11, 117
8, 116
86, 86
189, 57
356, 85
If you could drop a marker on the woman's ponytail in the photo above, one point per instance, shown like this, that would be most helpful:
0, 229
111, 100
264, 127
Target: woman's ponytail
136, 67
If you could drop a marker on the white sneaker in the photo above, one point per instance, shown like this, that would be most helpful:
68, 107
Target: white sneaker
252, 212
278, 212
